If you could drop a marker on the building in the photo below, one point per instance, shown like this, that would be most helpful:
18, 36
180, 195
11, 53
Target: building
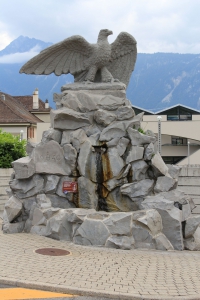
180, 133
25, 115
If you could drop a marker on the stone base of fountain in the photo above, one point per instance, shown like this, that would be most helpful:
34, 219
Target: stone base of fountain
96, 179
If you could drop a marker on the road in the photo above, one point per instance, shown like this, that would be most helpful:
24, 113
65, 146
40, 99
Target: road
15, 293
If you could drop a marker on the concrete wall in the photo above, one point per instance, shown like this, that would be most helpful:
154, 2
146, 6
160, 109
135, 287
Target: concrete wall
4, 183
193, 159
189, 183
187, 129
176, 150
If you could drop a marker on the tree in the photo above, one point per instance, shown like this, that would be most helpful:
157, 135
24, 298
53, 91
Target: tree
11, 149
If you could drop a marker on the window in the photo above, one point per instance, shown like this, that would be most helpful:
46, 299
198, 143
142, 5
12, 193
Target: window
30, 132
172, 160
176, 140
179, 114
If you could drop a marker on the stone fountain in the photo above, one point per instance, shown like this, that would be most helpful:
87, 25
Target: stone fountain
95, 178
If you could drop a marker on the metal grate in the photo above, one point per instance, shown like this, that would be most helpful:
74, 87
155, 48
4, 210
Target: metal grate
52, 252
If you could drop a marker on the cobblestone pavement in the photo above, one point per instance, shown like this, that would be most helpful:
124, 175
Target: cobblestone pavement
99, 272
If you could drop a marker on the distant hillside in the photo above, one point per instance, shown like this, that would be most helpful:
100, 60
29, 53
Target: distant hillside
17, 84
23, 44
159, 80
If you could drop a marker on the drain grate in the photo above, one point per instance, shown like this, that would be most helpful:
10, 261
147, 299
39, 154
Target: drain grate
52, 251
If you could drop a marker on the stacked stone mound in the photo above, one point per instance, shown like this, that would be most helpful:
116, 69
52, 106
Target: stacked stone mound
127, 196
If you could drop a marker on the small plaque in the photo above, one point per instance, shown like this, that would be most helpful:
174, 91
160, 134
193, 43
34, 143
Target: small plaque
70, 187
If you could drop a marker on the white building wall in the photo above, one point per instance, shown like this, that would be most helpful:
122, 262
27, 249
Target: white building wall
15, 130
44, 117
187, 129
40, 128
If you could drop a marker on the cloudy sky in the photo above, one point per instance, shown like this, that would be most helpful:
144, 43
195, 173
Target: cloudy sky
157, 25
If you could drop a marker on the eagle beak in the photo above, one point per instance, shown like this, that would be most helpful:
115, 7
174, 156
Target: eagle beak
110, 32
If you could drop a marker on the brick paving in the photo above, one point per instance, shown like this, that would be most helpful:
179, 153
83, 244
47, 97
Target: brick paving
135, 274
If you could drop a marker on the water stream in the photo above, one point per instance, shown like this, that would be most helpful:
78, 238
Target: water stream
99, 150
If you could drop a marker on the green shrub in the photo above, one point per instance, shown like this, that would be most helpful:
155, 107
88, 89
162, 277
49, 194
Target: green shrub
141, 130
11, 149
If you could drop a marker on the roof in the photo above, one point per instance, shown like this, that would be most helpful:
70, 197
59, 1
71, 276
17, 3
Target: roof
27, 102
184, 106
142, 109
11, 111
166, 109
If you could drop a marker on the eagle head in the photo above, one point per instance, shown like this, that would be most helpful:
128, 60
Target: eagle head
104, 33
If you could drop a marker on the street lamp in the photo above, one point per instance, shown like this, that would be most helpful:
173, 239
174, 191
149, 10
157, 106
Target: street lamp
21, 135
159, 134
188, 152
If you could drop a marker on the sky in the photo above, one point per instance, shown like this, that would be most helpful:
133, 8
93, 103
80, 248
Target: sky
157, 25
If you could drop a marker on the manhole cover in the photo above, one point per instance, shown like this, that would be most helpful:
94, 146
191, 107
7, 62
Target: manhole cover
52, 251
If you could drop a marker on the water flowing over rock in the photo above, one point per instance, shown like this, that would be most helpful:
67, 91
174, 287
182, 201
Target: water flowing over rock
87, 193
96, 180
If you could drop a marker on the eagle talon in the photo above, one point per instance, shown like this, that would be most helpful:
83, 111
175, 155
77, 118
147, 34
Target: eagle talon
108, 80
87, 81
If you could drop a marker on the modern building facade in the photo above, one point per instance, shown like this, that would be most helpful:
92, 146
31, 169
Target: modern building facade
180, 137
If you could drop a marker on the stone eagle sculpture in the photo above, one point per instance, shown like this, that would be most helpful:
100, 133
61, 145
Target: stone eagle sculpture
100, 62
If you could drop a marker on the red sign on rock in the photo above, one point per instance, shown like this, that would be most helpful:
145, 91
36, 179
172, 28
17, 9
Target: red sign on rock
70, 187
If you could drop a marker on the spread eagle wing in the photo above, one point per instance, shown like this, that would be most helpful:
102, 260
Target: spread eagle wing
123, 57
68, 56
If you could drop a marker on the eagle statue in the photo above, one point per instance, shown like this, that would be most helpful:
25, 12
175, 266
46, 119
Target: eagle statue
100, 62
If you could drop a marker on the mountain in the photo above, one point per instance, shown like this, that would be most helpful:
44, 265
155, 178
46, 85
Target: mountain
16, 84
160, 80
23, 44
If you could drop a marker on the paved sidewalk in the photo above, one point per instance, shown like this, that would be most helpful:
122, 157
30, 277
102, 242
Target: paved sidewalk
99, 271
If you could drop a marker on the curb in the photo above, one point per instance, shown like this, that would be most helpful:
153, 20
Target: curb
86, 292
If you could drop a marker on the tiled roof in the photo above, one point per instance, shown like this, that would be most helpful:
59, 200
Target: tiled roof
12, 111
27, 102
